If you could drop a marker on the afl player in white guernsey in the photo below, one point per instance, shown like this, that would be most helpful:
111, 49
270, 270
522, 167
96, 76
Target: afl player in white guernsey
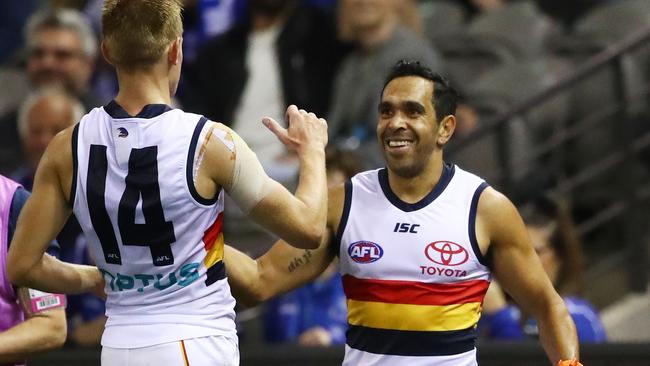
147, 184
412, 240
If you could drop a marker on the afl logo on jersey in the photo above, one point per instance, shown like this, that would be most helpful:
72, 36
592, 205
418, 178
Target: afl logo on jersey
122, 132
446, 253
365, 252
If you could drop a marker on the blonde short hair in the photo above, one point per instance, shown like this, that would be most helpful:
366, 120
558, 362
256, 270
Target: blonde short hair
138, 32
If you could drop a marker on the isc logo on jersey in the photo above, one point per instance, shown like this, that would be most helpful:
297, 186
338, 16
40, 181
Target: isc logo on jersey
365, 252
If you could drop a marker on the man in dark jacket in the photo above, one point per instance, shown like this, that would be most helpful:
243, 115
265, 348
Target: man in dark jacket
307, 54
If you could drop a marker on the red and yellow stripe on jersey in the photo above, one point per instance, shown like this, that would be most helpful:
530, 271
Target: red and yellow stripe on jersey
412, 317
213, 243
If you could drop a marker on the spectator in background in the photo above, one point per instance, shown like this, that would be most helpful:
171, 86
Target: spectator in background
44, 114
374, 26
556, 242
61, 50
315, 314
273, 58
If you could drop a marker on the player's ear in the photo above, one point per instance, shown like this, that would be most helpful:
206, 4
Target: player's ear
175, 53
106, 53
446, 129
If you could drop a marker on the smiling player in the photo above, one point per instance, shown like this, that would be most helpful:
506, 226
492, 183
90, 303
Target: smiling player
412, 240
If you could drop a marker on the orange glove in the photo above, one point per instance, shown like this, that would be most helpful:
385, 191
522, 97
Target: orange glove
573, 362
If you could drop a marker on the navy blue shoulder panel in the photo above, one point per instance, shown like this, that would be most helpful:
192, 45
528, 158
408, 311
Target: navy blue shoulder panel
189, 171
75, 164
471, 227
335, 245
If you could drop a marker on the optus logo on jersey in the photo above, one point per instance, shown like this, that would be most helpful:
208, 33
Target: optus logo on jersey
187, 274
446, 253
365, 252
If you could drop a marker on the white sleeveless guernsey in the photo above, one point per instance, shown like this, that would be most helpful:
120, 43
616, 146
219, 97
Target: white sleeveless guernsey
157, 242
413, 274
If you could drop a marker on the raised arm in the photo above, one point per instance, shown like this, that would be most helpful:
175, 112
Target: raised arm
299, 219
520, 273
40, 332
40, 220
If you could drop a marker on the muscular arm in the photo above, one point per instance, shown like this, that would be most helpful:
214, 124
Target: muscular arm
40, 332
299, 219
520, 273
283, 268
41, 219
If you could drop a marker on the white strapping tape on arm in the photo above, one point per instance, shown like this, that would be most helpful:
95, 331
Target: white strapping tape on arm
250, 183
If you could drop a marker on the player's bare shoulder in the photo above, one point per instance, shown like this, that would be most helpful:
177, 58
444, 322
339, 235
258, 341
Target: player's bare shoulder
216, 154
58, 159
497, 218
218, 151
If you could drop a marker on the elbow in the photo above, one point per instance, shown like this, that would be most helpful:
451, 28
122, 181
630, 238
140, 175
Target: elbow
18, 274
250, 301
59, 338
56, 334
263, 289
313, 237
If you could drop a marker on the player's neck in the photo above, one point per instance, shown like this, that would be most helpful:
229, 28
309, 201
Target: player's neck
413, 189
138, 89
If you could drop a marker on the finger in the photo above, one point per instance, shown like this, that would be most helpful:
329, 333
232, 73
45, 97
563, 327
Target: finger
291, 110
275, 127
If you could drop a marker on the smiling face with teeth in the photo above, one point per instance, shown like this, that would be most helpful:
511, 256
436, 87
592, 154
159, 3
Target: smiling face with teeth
408, 130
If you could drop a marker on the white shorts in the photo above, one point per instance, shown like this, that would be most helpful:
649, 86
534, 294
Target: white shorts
204, 351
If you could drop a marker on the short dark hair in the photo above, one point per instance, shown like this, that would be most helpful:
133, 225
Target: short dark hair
445, 97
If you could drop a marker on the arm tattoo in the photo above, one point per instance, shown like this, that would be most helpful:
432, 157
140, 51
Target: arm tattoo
296, 262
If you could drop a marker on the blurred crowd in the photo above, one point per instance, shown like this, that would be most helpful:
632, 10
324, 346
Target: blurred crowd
244, 59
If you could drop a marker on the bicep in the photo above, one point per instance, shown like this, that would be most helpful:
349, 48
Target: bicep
42, 216
231, 164
514, 261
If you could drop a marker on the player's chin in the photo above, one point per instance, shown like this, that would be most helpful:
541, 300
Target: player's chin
404, 167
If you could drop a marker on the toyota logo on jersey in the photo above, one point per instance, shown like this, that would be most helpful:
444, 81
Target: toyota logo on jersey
365, 252
446, 253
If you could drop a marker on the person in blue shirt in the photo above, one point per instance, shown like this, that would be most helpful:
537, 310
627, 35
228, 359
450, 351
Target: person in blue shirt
556, 242
315, 314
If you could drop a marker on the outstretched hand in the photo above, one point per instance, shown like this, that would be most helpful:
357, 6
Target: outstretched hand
305, 130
